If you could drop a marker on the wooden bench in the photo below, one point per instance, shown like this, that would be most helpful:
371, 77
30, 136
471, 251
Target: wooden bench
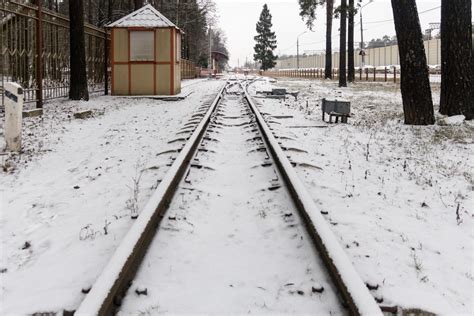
337, 109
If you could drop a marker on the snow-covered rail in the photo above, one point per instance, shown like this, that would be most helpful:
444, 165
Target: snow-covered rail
352, 288
113, 283
240, 117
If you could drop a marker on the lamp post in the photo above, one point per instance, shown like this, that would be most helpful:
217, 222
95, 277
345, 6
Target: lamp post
210, 48
362, 53
298, 48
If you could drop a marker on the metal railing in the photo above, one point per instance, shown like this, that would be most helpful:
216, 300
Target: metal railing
384, 74
34, 51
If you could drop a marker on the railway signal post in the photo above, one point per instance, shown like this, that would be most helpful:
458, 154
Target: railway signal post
13, 115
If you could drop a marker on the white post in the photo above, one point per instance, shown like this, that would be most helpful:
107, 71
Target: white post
13, 115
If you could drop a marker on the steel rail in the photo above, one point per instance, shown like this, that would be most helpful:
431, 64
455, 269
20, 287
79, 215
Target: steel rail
349, 284
107, 292
110, 287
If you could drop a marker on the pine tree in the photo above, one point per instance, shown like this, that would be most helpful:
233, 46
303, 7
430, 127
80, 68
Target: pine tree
457, 87
415, 82
308, 12
350, 42
266, 41
78, 81
342, 45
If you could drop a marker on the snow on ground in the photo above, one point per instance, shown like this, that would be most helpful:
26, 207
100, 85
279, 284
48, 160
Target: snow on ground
66, 201
228, 244
398, 197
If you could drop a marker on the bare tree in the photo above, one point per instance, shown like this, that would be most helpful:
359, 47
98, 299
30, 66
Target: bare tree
457, 90
415, 83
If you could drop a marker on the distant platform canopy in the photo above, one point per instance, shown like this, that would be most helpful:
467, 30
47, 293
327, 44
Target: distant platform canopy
216, 55
145, 54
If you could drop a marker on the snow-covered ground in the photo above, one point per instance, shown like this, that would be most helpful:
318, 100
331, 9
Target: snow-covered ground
400, 198
66, 201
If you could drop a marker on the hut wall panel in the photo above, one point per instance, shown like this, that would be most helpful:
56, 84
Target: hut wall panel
120, 45
162, 43
163, 73
141, 79
177, 69
177, 79
120, 79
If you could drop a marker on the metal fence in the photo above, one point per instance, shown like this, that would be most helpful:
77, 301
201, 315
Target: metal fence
385, 74
374, 74
34, 51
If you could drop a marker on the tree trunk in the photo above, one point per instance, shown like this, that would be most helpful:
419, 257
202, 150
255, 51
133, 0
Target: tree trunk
342, 46
89, 12
415, 83
350, 43
138, 4
78, 76
329, 14
457, 96
100, 14
110, 4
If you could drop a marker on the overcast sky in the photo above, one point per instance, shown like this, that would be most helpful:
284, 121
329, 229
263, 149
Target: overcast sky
238, 18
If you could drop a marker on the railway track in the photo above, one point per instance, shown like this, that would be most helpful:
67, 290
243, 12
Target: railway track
230, 229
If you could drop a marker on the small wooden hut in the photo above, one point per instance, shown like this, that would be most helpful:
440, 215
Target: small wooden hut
145, 54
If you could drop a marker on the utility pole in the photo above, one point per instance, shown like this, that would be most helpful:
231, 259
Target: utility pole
298, 49
362, 53
210, 48
298, 53
362, 45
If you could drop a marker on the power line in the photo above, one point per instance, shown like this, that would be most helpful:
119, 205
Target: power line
290, 47
390, 20
370, 22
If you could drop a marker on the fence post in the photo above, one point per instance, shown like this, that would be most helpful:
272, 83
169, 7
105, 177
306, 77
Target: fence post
394, 74
375, 73
385, 70
39, 52
360, 74
367, 74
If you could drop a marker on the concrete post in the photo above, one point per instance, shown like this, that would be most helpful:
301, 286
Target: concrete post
13, 115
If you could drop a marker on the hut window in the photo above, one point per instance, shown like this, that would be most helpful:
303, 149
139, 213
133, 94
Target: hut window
142, 45
178, 47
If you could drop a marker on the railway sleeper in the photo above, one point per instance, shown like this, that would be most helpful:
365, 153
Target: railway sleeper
199, 166
181, 139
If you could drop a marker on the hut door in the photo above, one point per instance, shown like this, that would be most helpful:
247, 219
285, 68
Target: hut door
142, 58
